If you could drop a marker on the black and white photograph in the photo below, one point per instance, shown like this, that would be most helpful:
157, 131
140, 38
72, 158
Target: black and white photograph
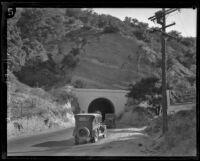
101, 81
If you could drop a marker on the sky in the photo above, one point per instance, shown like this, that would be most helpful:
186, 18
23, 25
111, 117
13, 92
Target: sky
186, 19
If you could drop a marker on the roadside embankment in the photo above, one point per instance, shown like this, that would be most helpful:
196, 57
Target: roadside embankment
33, 110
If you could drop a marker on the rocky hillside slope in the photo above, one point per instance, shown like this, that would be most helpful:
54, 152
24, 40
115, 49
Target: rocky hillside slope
31, 110
89, 50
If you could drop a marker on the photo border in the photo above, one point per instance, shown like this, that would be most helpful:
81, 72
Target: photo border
85, 4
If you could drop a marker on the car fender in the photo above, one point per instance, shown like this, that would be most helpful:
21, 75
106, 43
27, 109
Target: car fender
94, 131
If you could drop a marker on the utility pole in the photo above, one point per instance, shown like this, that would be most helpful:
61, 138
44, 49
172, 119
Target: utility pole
160, 17
164, 88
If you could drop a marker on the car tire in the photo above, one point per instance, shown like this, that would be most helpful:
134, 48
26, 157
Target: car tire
86, 130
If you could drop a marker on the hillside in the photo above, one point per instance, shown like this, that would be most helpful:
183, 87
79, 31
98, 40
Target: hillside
80, 47
32, 110
51, 48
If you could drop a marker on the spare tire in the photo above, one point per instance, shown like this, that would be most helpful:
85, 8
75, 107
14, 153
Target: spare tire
83, 132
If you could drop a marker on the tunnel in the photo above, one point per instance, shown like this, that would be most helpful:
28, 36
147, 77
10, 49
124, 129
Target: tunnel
103, 105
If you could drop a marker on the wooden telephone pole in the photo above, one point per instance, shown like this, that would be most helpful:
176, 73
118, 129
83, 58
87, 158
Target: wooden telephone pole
160, 17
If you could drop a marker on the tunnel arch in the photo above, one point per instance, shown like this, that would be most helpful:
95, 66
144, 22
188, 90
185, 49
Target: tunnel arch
103, 105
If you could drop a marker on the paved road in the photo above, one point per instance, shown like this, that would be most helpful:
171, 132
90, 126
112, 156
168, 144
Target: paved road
41, 144
61, 143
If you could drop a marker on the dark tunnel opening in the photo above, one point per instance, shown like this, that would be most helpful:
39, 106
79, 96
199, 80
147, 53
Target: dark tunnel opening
103, 105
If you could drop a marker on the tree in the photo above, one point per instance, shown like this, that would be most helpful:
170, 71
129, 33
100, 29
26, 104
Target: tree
102, 21
127, 20
188, 41
29, 33
142, 31
42, 24
16, 54
111, 29
139, 55
135, 22
175, 33
73, 12
79, 84
147, 89
170, 63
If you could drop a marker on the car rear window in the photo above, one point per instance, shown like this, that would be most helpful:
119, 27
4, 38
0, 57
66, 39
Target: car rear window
83, 118
109, 116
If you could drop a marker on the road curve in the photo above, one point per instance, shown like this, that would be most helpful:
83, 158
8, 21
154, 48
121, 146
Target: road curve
120, 141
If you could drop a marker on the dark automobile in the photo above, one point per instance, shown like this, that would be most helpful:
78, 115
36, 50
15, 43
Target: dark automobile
110, 120
88, 128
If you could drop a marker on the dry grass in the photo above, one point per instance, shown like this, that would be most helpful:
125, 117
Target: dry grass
35, 124
115, 59
31, 110
180, 140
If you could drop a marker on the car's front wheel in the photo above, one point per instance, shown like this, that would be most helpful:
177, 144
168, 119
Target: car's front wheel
105, 135
105, 132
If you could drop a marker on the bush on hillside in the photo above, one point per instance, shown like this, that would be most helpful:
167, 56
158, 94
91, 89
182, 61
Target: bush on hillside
111, 29
63, 97
142, 35
147, 89
188, 41
36, 78
78, 84
136, 116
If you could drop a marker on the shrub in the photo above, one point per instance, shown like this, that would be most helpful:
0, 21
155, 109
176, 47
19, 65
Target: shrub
111, 29
147, 89
75, 105
139, 34
79, 84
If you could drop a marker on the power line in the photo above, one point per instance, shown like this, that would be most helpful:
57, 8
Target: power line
171, 15
181, 22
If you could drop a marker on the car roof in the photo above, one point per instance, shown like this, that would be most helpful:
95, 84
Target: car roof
89, 114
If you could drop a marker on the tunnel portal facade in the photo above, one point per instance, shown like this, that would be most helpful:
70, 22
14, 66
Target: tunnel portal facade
103, 100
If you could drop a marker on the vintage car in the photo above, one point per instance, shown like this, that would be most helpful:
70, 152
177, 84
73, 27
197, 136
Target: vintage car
110, 120
88, 128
